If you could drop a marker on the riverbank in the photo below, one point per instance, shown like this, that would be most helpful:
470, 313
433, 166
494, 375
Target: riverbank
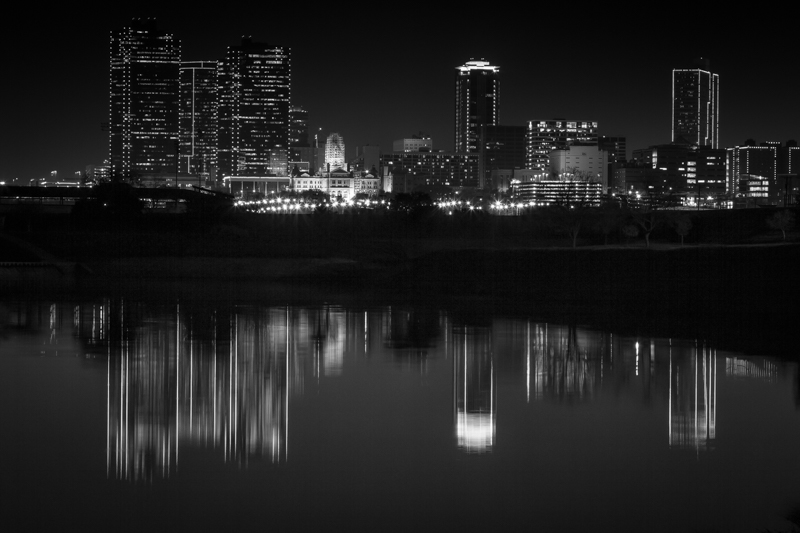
744, 292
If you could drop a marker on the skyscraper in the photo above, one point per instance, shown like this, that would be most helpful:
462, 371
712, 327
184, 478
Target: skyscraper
198, 116
144, 87
334, 152
544, 136
298, 127
477, 88
695, 106
254, 83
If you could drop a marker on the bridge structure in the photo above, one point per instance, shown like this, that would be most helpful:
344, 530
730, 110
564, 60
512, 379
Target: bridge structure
61, 199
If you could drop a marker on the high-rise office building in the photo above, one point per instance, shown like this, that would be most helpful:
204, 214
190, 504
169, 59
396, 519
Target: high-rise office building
254, 83
695, 106
617, 148
298, 127
681, 169
334, 152
544, 136
477, 89
504, 147
198, 117
144, 100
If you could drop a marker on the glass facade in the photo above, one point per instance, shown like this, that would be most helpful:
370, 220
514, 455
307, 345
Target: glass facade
254, 95
695, 107
198, 116
144, 102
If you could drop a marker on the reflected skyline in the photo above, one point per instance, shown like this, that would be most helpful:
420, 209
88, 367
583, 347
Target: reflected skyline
474, 388
225, 378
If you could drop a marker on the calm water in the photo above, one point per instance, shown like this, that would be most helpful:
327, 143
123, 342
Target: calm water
120, 414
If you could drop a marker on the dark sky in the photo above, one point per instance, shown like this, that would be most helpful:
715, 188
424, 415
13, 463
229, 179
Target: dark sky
375, 74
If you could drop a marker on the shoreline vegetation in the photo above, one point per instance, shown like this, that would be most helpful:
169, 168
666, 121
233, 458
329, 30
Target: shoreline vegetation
733, 282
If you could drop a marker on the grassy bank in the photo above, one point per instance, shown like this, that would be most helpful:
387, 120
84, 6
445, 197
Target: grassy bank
733, 283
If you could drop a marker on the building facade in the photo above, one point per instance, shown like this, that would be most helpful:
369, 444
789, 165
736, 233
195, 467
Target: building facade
410, 170
544, 136
198, 117
416, 143
768, 166
580, 163
503, 147
477, 99
687, 170
254, 93
695, 107
298, 127
334, 153
144, 101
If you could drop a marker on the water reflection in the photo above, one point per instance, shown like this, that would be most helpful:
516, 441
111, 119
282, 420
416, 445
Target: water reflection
224, 377
474, 392
693, 398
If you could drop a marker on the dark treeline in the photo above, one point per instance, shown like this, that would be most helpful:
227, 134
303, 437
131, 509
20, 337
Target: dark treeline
213, 231
743, 296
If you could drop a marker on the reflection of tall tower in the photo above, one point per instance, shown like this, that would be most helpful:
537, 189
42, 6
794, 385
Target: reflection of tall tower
561, 361
693, 398
474, 389
166, 388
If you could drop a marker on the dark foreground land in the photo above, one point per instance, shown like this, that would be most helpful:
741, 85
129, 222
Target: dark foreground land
734, 283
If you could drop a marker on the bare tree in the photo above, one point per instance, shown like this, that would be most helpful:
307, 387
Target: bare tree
630, 231
648, 221
608, 217
782, 220
682, 224
568, 220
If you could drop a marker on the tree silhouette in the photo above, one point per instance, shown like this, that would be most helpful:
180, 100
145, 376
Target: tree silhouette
630, 231
782, 220
648, 221
682, 224
608, 217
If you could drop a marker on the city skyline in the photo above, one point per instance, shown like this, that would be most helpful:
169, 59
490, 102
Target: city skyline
374, 92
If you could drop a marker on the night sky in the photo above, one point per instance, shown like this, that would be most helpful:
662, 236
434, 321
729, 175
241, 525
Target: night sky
375, 74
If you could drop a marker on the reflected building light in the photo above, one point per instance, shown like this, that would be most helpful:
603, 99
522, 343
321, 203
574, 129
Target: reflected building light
333, 337
693, 399
166, 389
564, 361
758, 368
474, 390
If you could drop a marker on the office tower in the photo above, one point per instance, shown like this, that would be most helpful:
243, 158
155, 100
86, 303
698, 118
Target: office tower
580, 163
544, 136
680, 169
695, 106
198, 117
144, 101
617, 148
477, 87
253, 97
368, 159
416, 143
434, 167
300, 151
298, 127
504, 147
753, 163
334, 152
